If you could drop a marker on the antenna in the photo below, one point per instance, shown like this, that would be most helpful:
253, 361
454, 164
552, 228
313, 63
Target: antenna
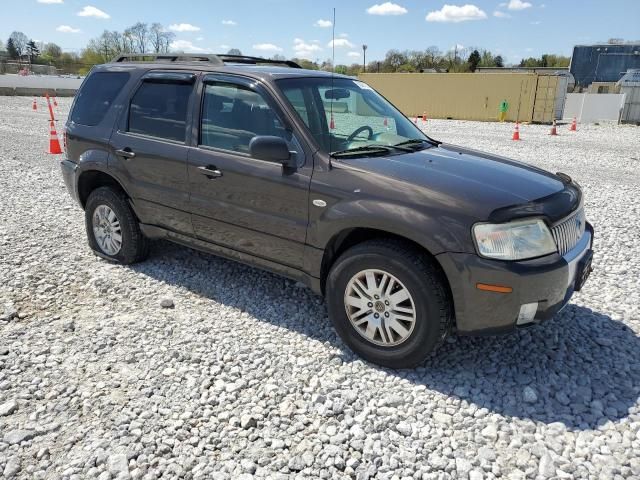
333, 72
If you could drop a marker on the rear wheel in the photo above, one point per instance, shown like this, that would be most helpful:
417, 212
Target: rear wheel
112, 228
388, 303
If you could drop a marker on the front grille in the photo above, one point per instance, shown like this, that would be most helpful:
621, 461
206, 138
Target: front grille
568, 233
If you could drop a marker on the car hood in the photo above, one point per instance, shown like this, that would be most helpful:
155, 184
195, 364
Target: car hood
473, 180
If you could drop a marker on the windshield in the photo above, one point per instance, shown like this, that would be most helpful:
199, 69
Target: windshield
347, 116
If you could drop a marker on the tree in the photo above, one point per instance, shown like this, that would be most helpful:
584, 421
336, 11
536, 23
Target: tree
499, 61
12, 50
234, 51
52, 51
160, 38
20, 41
32, 50
1, 46
140, 32
474, 60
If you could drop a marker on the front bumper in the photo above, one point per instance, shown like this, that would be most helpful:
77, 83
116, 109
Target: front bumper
550, 281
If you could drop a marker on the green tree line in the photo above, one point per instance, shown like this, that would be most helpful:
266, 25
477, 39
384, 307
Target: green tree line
154, 38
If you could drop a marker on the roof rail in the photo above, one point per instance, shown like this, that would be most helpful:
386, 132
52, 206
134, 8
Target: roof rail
167, 57
221, 59
246, 60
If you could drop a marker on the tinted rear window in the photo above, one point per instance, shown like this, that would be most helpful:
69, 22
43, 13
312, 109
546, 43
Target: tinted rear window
96, 96
160, 110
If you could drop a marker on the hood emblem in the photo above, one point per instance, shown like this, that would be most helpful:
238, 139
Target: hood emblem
319, 203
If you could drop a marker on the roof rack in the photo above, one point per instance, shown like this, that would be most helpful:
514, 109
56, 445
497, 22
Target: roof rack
222, 59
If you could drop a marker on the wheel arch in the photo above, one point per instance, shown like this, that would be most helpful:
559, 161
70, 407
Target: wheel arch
89, 180
350, 237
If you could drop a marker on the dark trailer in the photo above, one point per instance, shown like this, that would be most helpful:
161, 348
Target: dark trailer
603, 63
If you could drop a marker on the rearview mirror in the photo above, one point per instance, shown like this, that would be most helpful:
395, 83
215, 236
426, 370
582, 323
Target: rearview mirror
271, 149
337, 94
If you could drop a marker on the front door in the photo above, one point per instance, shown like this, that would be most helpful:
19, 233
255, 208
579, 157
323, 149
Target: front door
150, 149
249, 205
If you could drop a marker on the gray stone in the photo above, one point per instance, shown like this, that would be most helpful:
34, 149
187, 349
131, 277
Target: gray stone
8, 408
529, 395
118, 464
15, 437
248, 421
12, 467
167, 302
546, 467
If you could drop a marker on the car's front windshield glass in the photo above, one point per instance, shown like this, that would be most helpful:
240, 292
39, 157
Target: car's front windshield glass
347, 115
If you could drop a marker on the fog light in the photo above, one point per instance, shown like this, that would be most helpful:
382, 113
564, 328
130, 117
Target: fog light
527, 313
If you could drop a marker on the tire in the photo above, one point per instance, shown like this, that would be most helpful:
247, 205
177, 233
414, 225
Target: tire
132, 246
411, 270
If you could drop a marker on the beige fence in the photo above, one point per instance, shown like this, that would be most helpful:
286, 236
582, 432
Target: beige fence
471, 96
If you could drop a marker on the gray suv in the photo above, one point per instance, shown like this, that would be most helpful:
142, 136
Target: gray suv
318, 178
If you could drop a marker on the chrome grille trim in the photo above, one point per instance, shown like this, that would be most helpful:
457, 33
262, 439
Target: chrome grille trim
568, 233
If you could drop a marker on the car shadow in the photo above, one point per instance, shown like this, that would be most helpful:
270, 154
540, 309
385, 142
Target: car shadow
581, 369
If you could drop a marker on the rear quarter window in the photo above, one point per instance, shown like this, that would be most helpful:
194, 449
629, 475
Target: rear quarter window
96, 97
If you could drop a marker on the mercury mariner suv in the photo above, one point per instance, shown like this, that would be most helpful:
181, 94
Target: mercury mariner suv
317, 177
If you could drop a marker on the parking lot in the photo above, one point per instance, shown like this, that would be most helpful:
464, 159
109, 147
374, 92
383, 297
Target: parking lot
245, 376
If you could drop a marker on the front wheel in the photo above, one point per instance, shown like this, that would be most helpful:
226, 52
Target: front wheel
112, 228
388, 303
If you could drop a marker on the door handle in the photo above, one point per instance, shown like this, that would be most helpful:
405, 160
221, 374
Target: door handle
210, 171
126, 153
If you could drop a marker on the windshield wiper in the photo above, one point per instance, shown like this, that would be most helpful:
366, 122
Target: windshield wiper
371, 149
417, 141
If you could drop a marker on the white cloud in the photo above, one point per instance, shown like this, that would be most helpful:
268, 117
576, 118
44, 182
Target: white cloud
353, 54
225, 47
183, 27
344, 35
386, 8
340, 43
536, 22
267, 47
67, 29
306, 50
90, 11
500, 14
185, 46
51, 1
199, 39
230, 23
323, 23
456, 14
518, 5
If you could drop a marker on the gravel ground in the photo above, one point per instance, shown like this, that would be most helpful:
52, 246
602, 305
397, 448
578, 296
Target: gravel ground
242, 375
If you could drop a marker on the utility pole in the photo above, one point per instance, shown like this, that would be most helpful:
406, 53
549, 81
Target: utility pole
364, 58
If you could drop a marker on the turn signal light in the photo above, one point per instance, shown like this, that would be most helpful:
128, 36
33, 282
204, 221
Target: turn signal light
493, 288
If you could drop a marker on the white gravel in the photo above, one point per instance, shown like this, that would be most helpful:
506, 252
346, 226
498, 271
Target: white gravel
245, 377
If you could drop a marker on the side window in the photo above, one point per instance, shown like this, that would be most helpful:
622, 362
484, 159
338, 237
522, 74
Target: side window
96, 96
296, 98
159, 109
232, 115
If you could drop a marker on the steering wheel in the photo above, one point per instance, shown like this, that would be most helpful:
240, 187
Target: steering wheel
359, 131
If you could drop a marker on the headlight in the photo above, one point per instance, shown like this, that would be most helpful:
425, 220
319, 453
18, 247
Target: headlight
516, 240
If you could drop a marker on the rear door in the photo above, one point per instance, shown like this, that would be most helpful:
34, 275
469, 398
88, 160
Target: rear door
249, 205
150, 148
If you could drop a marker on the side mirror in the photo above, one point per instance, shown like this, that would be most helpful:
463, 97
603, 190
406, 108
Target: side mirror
271, 149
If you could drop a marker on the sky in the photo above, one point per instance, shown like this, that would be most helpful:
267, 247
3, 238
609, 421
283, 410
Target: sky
303, 28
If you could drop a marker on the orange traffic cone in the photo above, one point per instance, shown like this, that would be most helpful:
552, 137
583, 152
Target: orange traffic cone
35, 104
54, 143
554, 129
332, 124
424, 116
574, 125
516, 132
